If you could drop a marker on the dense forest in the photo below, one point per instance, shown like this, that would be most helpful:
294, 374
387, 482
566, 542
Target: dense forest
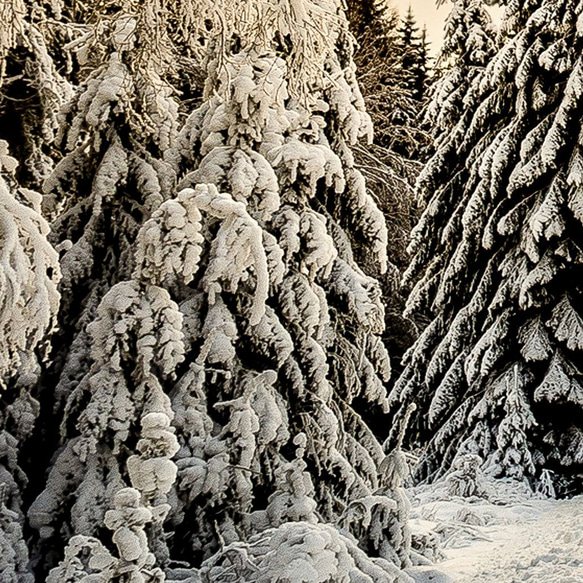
266, 267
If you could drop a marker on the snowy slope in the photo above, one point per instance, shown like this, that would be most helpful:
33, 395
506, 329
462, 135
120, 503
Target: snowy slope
507, 537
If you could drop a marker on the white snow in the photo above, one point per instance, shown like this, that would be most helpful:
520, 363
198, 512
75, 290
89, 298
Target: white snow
509, 536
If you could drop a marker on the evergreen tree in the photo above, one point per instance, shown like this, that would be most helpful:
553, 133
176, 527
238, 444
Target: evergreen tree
217, 338
29, 273
386, 87
386, 163
413, 56
112, 176
29, 301
497, 253
409, 41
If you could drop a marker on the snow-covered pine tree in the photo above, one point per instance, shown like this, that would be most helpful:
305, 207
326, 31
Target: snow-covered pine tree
467, 47
281, 326
29, 299
413, 55
118, 339
497, 254
243, 283
29, 272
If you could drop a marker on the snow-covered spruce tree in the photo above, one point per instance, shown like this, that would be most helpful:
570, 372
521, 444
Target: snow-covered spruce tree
29, 272
118, 339
497, 255
29, 300
275, 342
281, 326
468, 46
137, 344
28, 277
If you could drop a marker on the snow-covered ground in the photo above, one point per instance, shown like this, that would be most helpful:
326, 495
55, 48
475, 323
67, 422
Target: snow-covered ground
506, 537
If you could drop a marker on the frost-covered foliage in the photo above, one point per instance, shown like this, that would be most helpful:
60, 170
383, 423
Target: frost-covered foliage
87, 559
217, 338
29, 273
111, 178
137, 328
136, 343
281, 326
466, 478
32, 89
467, 47
497, 255
119, 337
299, 552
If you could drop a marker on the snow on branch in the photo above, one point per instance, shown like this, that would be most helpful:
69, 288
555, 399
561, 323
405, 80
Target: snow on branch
29, 273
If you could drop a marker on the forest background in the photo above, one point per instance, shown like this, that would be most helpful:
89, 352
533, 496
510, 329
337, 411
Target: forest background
261, 258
